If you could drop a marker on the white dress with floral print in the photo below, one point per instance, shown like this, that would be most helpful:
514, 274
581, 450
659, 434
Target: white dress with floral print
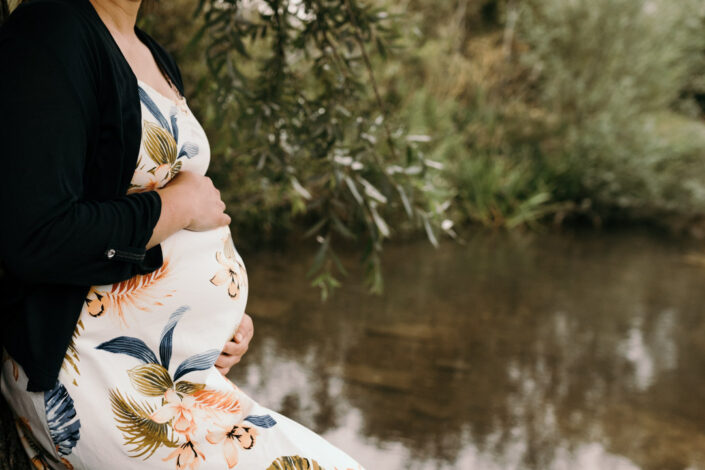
138, 387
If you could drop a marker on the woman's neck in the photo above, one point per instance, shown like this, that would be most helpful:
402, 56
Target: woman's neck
119, 16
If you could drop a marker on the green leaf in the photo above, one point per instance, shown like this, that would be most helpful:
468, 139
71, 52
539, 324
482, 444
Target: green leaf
143, 435
294, 462
327, 283
151, 380
188, 388
303, 192
353, 189
338, 263
159, 144
341, 228
319, 259
315, 228
429, 231
405, 200
373, 272
379, 221
380, 47
371, 191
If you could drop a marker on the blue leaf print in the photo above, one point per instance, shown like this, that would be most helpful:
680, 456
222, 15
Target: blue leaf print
167, 335
174, 127
200, 361
152, 107
130, 346
188, 150
263, 421
64, 426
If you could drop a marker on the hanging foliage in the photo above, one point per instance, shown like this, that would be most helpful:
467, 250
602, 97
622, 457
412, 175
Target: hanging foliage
300, 127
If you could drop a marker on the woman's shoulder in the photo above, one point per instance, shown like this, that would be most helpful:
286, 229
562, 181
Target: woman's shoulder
47, 21
49, 44
50, 36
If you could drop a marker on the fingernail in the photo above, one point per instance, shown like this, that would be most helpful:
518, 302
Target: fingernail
238, 337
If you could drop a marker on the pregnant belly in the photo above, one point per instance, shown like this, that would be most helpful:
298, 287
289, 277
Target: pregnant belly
138, 339
202, 280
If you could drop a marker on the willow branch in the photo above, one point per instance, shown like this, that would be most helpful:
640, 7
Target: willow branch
373, 81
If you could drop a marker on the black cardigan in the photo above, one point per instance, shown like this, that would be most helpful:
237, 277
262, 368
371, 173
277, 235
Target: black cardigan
70, 131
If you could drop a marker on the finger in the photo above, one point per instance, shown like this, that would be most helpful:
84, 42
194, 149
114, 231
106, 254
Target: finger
245, 330
223, 361
243, 335
240, 349
230, 348
246, 336
240, 335
222, 370
246, 323
227, 361
233, 360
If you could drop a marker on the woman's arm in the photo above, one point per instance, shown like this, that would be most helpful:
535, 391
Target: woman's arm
49, 111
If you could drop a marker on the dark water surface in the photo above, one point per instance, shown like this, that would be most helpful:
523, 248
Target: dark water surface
538, 352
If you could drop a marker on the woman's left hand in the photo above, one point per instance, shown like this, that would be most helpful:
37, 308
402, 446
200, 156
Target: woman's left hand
237, 346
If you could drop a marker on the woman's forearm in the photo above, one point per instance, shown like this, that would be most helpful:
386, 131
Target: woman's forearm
173, 217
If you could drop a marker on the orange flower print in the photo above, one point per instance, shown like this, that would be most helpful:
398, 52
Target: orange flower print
233, 272
243, 274
15, 369
180, 410
231, 434
71, 358
188, 456
149, 179
141, 291
215, 401
38, 461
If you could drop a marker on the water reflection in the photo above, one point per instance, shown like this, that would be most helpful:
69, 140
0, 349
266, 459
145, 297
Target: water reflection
511, 352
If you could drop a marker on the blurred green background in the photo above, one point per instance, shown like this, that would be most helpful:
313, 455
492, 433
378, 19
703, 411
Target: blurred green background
554, 149
557, 146
504, 114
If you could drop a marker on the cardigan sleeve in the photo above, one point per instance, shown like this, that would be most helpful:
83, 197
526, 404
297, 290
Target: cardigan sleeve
49, 108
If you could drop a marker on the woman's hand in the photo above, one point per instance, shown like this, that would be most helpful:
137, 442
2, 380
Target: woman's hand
237, 346
207, 209
189, 201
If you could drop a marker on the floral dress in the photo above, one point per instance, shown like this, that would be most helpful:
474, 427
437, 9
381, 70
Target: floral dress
138, 386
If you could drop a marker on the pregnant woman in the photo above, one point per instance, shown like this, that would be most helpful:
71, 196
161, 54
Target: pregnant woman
123, 283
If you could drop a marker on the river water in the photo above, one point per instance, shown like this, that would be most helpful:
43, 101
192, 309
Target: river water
581, 351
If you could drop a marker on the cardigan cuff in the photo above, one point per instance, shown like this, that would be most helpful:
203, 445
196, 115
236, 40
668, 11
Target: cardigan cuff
145, 260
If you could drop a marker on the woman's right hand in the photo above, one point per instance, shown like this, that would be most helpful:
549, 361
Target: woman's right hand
191, 202
199, 200
196, 200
